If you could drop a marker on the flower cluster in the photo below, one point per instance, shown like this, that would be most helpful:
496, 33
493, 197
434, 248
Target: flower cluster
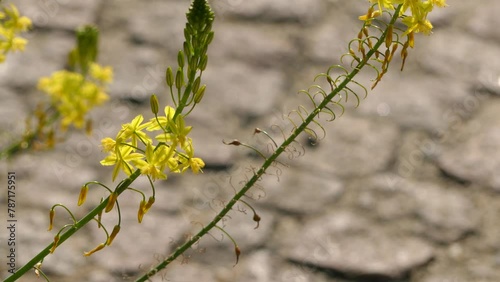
73, 94
417, 20
11, 24
134, 149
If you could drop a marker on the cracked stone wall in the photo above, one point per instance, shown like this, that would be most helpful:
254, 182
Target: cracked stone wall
403, 188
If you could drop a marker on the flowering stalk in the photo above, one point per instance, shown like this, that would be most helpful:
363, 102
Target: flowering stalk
271, 159
133, 151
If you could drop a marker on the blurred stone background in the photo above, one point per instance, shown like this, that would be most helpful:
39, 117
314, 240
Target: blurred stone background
403, 188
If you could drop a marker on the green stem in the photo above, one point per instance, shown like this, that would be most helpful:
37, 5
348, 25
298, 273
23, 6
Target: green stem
77, 226
271, 159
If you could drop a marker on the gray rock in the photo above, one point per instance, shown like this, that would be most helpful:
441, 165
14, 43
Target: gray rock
60, 14
412, 104
303, 11
164, 21
456, 60
345, 243
301, 192
256, 266
354, 147
264, 45
327, 42
446, 214
480, 21
473, 151
141, 75
251, 91
47, 50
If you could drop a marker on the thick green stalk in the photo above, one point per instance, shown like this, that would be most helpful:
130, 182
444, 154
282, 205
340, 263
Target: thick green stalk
269, 161
82, 222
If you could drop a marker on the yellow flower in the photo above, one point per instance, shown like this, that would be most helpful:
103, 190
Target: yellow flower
18, 44
72, 95
176, 132
189, 161
103, 74
415, 25
133, 130
163, 120
154, 162
108, 144
121, 158
384, 4
415, 19
11, 24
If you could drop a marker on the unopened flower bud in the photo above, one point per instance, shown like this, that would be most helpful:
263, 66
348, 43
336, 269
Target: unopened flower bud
180, 59
203, 62
54, 245
237, 251
411, 39
83, 195
98, 248
188, 50
51, 219
199, 94
150, 203
99, 216
169, 77
388, 37
141, 212
256, 218
179, 79
111, 202
153, 100
115, 231
196, 84
210, 37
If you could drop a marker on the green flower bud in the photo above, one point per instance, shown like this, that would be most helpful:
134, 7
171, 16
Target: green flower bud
169, 77
199, 94
154, 104
180, 59
192, 65
187, 35
196, 84
210, 37
188, 50
179, 79
203, 62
